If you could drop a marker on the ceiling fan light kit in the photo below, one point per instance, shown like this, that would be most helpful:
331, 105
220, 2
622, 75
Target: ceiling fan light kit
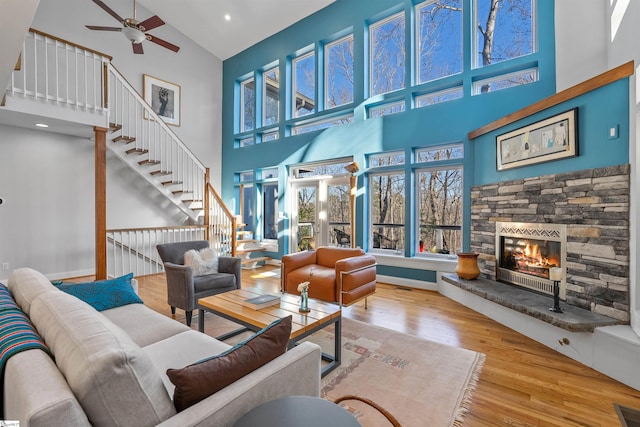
134, 35
133, 30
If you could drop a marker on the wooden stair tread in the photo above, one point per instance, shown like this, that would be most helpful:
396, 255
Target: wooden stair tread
244, 251
137, 151
240, 241
127, 139
160, 172
171, 182
250, 260
149, 162
114, 127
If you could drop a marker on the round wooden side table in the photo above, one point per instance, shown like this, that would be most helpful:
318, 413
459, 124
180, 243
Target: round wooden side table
296, 411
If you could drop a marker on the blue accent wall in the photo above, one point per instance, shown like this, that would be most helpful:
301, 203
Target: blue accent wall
438, 124
598, 111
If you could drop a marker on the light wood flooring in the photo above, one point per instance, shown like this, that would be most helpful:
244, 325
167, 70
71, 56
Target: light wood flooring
523, 383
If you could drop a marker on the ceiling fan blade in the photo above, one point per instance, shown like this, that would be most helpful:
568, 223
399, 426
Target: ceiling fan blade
108, 10
151, 23
95, 27
137, 48
163, 43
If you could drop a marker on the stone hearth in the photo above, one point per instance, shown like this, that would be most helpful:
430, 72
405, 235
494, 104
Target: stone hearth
594, 204
534, 304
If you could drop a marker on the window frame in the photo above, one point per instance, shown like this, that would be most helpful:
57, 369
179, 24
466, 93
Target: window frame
327, 73
436, 165
417, 43
475, 59
371, 66
265, 96
243, 84
476, 88
294, 92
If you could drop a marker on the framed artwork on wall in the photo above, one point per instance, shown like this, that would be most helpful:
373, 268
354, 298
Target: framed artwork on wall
549, 139
164, 99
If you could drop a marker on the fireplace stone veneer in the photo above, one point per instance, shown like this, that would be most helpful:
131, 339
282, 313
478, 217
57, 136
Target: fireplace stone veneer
594, 205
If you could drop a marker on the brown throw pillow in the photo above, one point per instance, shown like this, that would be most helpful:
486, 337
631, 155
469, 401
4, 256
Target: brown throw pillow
201, 379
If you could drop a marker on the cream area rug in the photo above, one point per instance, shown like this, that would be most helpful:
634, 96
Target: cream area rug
419, 382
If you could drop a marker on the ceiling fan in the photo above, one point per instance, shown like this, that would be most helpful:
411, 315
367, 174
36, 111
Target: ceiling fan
134, 31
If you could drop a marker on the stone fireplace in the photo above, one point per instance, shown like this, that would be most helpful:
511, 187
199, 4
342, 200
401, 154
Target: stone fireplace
526, 251
591, 205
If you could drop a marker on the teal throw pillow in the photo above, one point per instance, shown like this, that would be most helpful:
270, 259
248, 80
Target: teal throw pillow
104, 294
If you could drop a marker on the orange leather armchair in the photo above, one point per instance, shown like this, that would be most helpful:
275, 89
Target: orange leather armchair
342, 275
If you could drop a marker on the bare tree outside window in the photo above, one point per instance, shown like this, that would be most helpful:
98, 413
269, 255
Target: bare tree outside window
440, 209
439, 39
388, 56
304, 85
247, 105
271, 96
505, 31
387, 210
439, 194
339, 72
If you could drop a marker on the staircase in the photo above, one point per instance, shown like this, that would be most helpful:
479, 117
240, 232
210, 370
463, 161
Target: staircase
247, 245
61, 80
140, 138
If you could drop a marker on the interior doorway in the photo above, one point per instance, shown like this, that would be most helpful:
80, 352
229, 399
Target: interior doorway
320, 207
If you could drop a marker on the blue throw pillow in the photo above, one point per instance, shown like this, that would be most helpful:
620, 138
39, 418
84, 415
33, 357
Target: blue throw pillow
104, 294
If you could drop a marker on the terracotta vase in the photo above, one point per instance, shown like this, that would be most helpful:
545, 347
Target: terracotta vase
467, 268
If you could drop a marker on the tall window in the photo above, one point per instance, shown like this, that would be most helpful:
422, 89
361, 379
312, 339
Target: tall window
439, 39
387, 210
304, 85
247, 105
387, 199
247, 200
271, 96
387, 56
270, 211
505, 30
339, 72
439, 204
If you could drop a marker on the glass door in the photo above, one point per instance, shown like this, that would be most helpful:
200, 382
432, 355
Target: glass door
321, 214
304, 224
338, 213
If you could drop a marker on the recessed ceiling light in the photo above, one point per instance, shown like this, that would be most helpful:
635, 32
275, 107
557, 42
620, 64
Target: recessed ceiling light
227, 17
42, 125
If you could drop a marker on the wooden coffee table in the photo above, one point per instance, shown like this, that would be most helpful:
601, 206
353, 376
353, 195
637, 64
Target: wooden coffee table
322, 314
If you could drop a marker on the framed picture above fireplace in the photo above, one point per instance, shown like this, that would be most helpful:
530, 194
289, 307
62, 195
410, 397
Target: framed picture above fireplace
549, 139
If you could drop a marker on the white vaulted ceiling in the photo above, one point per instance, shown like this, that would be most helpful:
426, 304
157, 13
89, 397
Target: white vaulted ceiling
250, 21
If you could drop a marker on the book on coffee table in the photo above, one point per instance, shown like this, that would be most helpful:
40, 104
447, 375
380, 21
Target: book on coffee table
261, 301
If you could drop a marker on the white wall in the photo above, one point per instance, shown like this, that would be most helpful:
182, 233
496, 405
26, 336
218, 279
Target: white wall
14, 22
623, 33
47, 179
197, 72
581, 41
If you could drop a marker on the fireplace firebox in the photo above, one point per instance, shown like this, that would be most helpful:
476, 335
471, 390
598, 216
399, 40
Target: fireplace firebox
526, 251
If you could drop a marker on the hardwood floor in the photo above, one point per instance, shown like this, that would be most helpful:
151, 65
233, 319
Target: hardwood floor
523, 383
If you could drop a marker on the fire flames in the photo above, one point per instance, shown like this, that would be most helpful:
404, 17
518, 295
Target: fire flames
530, 259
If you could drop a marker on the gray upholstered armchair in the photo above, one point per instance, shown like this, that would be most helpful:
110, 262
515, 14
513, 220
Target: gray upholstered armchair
183, 288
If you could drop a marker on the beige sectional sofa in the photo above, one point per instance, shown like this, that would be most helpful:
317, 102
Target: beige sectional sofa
110, 366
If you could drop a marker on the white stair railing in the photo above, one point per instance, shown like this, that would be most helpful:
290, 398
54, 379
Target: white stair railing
134, 249
60, 72
152, 142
